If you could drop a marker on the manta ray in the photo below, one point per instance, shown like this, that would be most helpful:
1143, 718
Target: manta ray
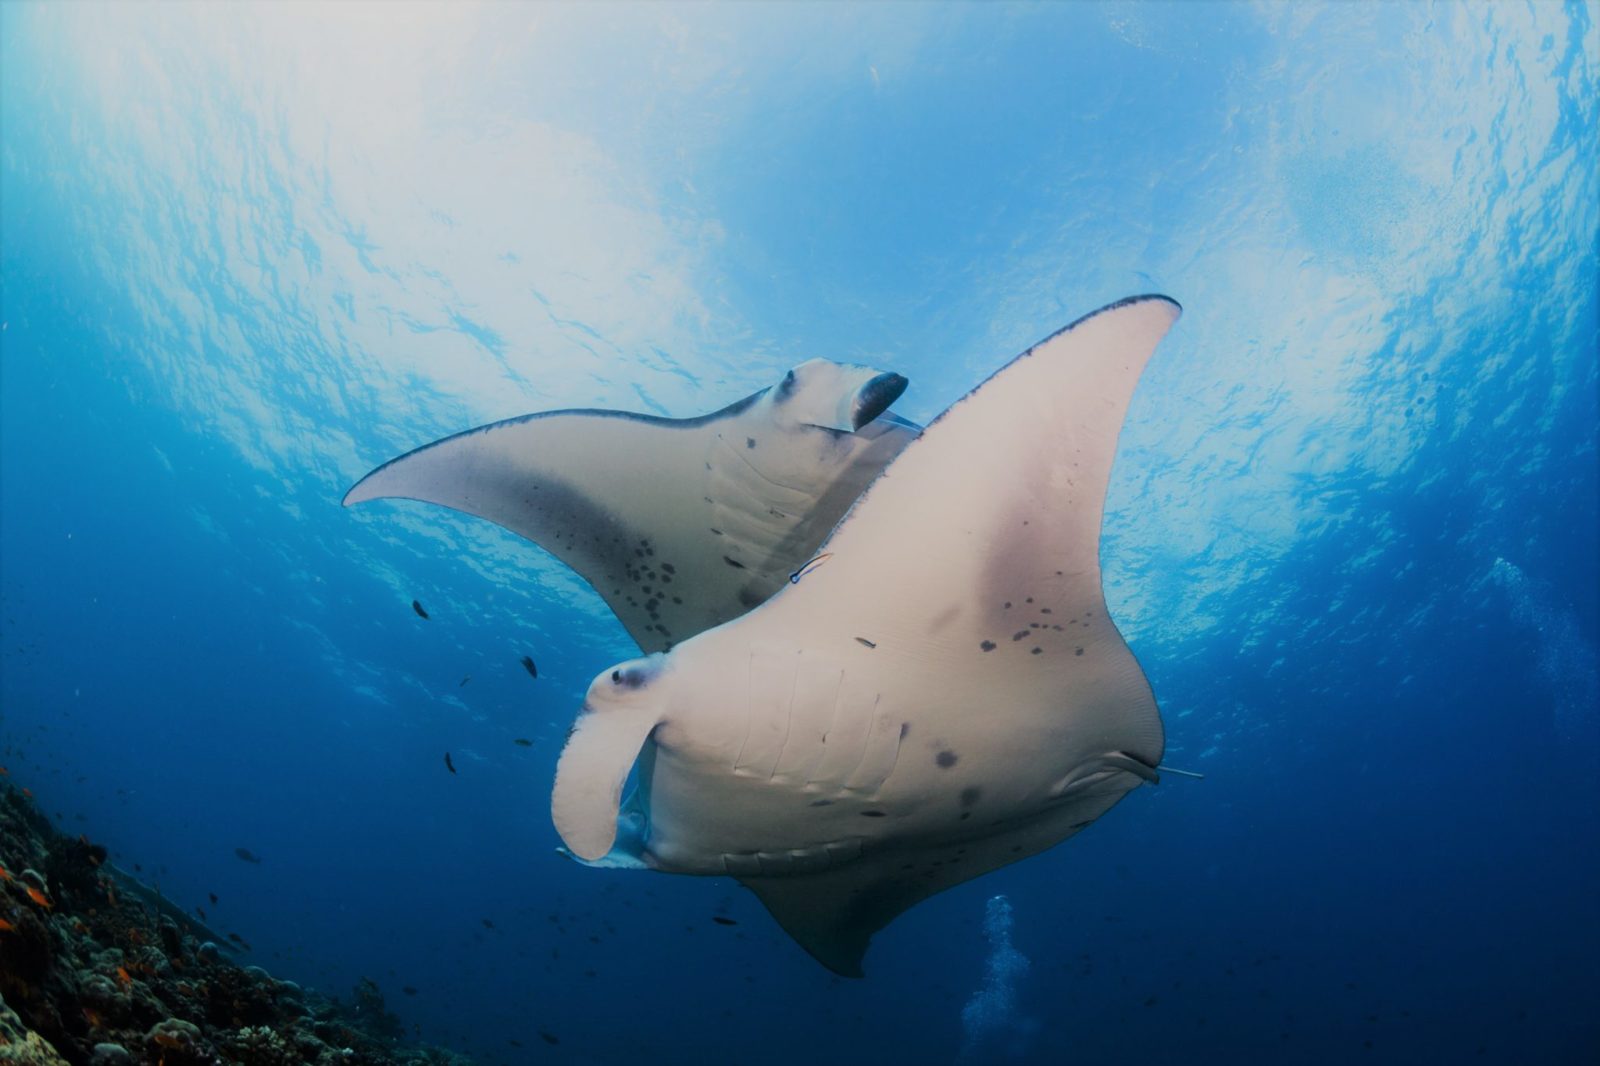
679, 524
941, 691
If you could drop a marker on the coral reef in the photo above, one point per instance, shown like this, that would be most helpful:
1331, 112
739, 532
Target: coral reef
97, 969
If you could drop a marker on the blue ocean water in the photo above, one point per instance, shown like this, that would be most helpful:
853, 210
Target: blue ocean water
248, 253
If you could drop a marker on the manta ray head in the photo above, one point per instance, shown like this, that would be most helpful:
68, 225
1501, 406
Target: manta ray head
624, 686
837, 396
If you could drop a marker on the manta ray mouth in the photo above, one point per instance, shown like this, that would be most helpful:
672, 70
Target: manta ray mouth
875, 397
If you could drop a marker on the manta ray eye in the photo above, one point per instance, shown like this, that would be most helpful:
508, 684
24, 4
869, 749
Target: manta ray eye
633, 675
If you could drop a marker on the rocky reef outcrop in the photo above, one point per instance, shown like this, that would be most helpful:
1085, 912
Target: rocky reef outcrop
98, 969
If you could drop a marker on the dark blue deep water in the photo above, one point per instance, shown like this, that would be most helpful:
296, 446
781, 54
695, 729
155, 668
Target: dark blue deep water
250, 253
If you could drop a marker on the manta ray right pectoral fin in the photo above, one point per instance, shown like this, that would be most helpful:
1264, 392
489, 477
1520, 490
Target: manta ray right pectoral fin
829, 914
833, 914
587, 798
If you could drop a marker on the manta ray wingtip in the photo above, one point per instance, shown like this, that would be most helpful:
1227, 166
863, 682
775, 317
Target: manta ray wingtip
362, 490
1161, 296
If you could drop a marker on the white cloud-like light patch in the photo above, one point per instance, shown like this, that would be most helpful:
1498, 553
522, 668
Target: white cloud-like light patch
1344, 273
433, 259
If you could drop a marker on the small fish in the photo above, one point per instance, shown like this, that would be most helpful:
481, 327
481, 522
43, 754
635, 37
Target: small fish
236, 938
794, 578
6, 927
523, 742
720, 920
214, 899
200, 911
5, 875
415, 606
487, 924
464, 681
408, 990
448, 765
26, 791
247, 855
549, 1038
527, 664
39, 897
124, 977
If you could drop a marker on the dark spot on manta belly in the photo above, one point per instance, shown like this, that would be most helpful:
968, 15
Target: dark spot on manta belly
1079, 651
1019, 634
905, 728
749, 442
871, 814
822, 803
946, 759
987, 645
736, 564
1037, 651
970, 795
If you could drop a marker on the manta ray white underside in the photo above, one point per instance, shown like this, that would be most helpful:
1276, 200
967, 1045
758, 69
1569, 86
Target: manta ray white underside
941, 693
